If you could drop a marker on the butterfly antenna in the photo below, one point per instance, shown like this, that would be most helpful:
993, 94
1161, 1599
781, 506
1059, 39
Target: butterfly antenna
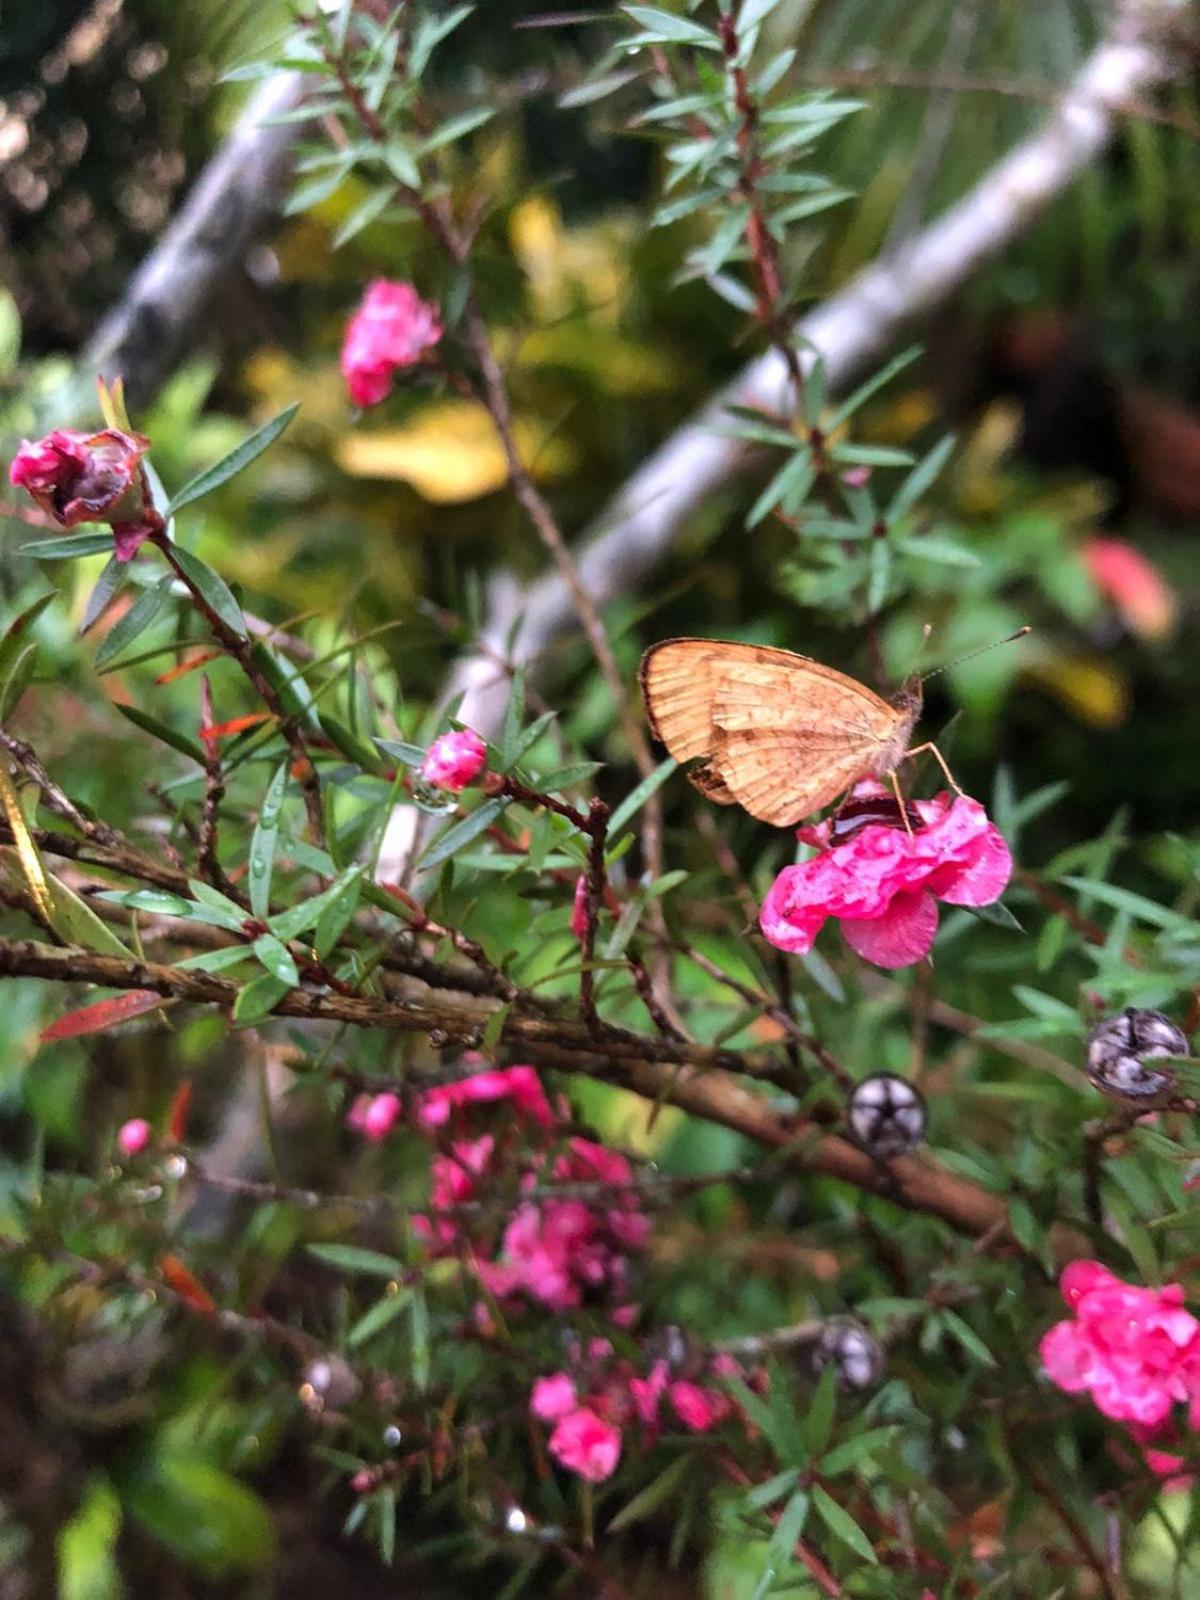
971, 654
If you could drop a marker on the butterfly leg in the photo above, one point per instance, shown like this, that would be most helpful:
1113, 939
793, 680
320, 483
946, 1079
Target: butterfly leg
937, 755
895, 783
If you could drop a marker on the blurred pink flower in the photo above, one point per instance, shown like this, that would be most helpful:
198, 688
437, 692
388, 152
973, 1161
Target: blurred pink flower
374, 1115
1136, 1351
552, 1397
883, 882
698, 1409
586, 1444
133, 1136
392, 328
80, 477
454, 760
579, 908
521, 1085
1135, 586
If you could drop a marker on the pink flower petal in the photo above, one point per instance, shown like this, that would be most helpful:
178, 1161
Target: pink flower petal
904, 933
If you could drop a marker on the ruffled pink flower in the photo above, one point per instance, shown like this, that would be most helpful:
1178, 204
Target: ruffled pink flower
454, 1178
90, 477
133, 1136
647, 1393
579, 908
552, 1397
1135, 1351
521, 1085
697, 1408
454, 760
1135, 586
883, 882
392, 328
374, 1115
584, 1443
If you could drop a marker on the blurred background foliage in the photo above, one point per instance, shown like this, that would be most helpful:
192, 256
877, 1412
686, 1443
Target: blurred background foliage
1070, 370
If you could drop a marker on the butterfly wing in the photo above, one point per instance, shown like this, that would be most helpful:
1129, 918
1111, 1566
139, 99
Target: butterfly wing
783, 735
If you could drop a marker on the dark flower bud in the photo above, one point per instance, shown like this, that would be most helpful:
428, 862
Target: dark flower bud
887, 1115
1117, 1050
98, 477
854, 1351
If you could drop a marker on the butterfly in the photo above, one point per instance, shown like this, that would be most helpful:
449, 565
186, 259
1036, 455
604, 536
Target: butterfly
780, 735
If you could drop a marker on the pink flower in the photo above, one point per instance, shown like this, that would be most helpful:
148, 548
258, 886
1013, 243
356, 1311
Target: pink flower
133, 1136
646, 1393
454, 760
1135, 586
392, 328
585, 1444
80, 477
698, 1409
521, 1085
1135, 1350
579, 908
374, 1116
552, 1397
883, 882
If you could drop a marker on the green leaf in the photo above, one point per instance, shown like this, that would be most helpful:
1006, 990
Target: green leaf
664, 27
104, 591
818, 1423
842, 1525
237, 459
636, 799
921, 478
514, 713
968, 1338
353, 1258
74, 921
656, 1493
408, 755
381, 1314
336, 916
213, 588
457, 128
277, 959
201, 1513
145, 609
86, 1547
373, 207
853, 402
1137, 905
217, 960
348, 742
462, 832
16, 639
259, 998
264, 840
159, 730
68, 547
18, 679
290, 924
996, 913
782, 1543
858, 1449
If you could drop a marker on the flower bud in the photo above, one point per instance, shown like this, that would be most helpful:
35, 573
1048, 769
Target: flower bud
854, 1351
454, 760
133, 1136
1117, 1050
79, 477
393, 328
887, 1115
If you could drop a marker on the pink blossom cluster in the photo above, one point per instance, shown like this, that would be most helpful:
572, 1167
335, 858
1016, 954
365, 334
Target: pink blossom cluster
1135, 1351
393, 328
590, 1407
559, 1253
454, 760
882, 879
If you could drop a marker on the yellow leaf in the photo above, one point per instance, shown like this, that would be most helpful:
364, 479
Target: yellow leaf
450, 453
31, 862
1093, 691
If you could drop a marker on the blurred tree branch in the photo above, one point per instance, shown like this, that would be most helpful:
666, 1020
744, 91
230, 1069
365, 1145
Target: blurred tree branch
849, 331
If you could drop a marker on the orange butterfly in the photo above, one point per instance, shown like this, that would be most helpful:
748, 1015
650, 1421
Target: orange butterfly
780, 735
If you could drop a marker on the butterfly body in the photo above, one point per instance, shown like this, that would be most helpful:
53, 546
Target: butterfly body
780, 735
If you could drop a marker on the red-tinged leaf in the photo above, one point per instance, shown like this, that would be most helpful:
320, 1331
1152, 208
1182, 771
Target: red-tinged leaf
200, 659
223, 730
103, 1014
184, 1283
177, 1116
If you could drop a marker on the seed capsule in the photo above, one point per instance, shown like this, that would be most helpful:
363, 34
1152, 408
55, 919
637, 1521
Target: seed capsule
887, 1115
854, 1351
1117, 1050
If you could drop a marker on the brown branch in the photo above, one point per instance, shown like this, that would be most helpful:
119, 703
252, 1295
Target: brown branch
700, 1080
55, 798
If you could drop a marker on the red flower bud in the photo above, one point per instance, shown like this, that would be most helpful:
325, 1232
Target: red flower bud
79, 477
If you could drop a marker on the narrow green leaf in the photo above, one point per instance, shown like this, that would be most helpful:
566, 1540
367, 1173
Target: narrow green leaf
462, 832
842, 1525
277, 959
408, 755
159, 730
353, 1258
293, 922
921, 478
68, 546
457, 128
656, 1493
819, 1421
229, 466
668, 28
374, 1321
145, 610
259, 998
264, 840
636, 799
104, 591
373, 207
213, 588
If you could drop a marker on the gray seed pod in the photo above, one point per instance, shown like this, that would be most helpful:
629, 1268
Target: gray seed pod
1117, 1050
887, 1115
853, 1350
